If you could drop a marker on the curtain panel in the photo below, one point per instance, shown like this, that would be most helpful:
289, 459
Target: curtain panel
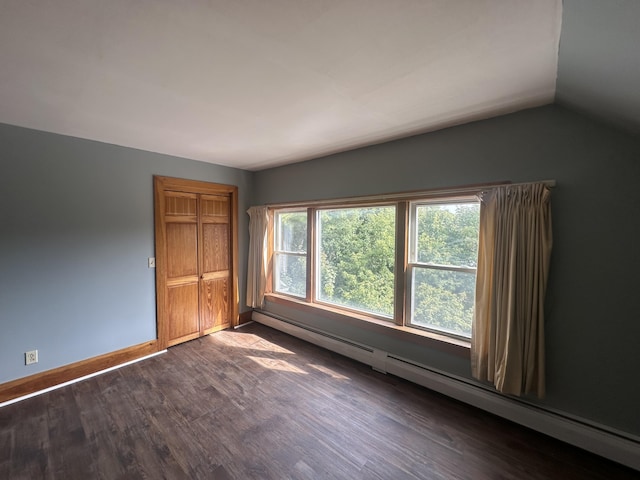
258, 250
507, 346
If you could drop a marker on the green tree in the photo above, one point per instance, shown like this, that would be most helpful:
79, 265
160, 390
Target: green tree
357, 259
447, 235
356, 252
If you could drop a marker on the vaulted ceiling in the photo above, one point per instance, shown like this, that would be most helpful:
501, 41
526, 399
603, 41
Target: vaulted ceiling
258, 83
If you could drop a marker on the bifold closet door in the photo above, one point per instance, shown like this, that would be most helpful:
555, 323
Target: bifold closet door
215, 272
196, 236
182, 277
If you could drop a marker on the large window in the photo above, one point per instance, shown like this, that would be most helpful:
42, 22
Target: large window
290, 252
411, 263
356, 258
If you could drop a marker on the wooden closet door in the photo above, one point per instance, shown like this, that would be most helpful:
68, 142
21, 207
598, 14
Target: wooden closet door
196, 258
215, 278
182, 278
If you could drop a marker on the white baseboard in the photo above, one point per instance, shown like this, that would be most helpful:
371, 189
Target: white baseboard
598, 439
79, 379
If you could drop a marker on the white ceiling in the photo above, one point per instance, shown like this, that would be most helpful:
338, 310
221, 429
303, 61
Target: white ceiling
259, 83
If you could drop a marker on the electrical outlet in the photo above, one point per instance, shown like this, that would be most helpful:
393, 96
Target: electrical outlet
152, 262
31, 357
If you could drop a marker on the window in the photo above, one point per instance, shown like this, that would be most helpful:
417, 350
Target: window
442, 265
410, 263
356, 258
290, 252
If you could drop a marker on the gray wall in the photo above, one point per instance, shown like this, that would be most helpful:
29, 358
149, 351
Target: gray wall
599, 60
76, 228
592, 326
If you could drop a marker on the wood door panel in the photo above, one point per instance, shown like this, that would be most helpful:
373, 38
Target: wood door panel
215, 275
178, 281
182, 249
215, 239
214, 206
182, 204
214, 310
183, 312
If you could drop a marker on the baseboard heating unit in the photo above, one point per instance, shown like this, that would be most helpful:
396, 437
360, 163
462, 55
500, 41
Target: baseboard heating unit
598, 439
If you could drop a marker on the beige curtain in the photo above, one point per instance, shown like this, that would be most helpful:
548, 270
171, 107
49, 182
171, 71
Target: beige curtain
507, 346
257, 261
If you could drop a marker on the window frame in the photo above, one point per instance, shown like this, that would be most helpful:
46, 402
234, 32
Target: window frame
413, 263
316, 284
405, 225
277, 252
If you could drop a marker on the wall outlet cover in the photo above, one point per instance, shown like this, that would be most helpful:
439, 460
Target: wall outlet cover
31, 357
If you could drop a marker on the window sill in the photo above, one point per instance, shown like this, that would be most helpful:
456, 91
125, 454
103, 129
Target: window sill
425, 338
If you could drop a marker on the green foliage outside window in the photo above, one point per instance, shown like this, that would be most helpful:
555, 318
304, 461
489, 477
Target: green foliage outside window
357, 259
447, 235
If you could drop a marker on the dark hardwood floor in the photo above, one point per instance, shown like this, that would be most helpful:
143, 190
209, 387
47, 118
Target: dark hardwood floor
258, 404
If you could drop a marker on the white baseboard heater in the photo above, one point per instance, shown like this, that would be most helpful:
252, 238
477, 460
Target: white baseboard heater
598, 439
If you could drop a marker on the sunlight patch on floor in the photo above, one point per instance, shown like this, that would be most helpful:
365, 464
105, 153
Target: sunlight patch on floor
250, 342
329, 372
268, 347
275, 364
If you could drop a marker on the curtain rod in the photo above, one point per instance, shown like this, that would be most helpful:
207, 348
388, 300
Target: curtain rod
436, 192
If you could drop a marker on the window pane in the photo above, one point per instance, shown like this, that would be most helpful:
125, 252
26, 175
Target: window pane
443, 300
291, 234
291, 274
357, 258
290, 271
448, 234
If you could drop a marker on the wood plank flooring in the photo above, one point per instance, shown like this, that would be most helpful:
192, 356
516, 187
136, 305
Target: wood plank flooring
255, 403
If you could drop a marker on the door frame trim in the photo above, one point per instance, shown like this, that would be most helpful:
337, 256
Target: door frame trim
162, 184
